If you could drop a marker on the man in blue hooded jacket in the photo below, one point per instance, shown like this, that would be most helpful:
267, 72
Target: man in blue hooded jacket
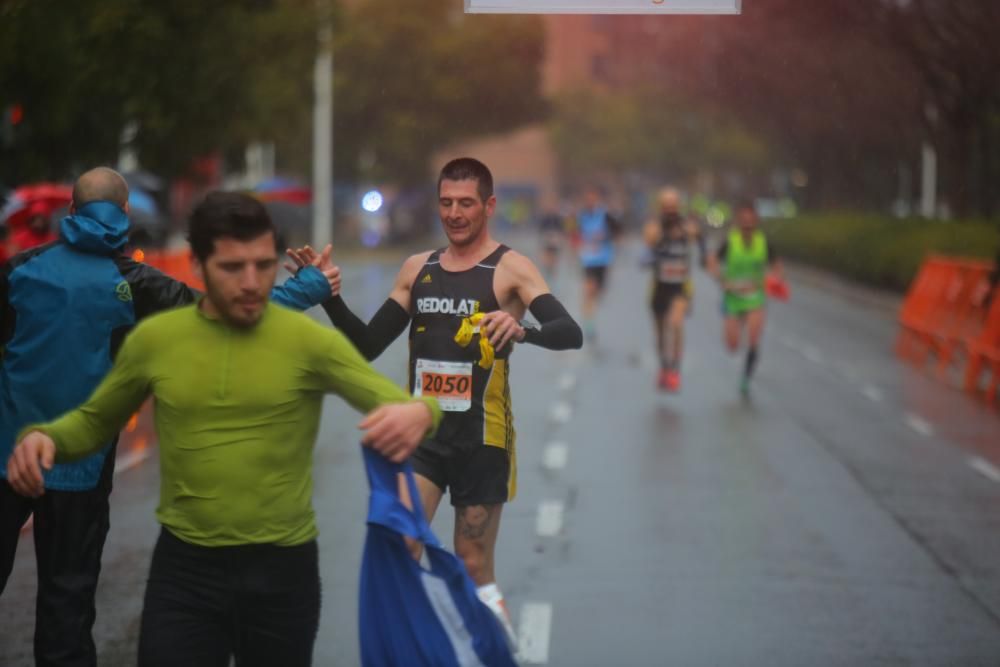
65, 308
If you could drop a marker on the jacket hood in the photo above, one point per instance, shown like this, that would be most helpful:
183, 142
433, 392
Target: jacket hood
99, 227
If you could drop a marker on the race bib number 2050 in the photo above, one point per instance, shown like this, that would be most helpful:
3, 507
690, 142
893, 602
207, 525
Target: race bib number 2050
450, 382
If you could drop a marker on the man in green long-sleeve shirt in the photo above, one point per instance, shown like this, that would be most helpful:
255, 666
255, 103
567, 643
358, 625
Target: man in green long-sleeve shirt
239, 385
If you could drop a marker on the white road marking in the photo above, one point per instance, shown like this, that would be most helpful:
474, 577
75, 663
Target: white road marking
561, 412
555, 455
919, 424
986, 468
549, 521
873, 393
567, 381
131, 459
533, 633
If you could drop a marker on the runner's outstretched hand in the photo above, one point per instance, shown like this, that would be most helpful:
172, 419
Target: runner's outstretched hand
307, 256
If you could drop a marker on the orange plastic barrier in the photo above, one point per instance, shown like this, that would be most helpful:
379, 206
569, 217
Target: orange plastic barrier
984, 354
137, 437
945, 316
176, 264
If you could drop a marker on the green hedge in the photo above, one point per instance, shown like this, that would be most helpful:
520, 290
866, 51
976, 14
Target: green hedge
879, 251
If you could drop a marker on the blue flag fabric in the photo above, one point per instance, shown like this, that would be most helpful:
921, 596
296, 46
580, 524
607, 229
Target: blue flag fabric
413, 614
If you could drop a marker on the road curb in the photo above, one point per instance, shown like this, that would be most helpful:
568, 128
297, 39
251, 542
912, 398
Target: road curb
844, 288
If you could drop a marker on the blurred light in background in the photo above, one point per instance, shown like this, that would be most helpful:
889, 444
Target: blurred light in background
372, 201
717, 214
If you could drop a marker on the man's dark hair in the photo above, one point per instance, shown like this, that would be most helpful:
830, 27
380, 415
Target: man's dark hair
746, 204
227, 215
469, 169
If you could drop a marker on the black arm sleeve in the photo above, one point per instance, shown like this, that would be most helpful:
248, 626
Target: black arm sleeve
559, 331
772, 254
153, 290
371, 339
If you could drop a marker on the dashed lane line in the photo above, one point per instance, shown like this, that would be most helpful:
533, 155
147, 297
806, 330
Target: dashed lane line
549, 521
985, 468
555, 456
533, 633
919, 424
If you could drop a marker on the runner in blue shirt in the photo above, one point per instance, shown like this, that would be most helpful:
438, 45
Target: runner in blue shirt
597, 230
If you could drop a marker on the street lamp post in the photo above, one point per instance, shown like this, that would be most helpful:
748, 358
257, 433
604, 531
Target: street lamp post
929, 167
323, 128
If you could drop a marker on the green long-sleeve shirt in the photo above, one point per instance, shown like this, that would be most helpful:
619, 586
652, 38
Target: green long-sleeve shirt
236, 414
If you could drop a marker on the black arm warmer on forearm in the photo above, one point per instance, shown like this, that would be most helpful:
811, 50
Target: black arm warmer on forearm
371, 339
559, 331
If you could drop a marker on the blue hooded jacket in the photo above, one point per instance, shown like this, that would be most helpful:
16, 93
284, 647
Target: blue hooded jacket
65, 308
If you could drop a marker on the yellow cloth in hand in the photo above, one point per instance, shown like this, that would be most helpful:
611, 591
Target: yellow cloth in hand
464, 337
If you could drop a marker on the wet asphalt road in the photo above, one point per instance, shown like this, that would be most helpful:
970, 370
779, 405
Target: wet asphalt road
848, 514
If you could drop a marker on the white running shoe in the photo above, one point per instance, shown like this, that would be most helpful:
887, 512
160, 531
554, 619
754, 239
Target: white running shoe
491, 596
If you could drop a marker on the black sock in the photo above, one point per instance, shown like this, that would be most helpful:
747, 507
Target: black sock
751, 362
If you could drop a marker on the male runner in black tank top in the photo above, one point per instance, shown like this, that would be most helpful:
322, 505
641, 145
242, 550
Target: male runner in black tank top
671, 240
477, 396
484, 286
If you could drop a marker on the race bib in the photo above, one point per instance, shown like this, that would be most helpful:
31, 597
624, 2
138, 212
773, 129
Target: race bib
450, 382
673, 271
744, 287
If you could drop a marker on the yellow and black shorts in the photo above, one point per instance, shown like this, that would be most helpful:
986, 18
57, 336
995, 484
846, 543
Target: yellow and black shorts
664, 295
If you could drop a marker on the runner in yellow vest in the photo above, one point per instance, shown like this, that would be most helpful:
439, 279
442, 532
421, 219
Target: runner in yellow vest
741, 266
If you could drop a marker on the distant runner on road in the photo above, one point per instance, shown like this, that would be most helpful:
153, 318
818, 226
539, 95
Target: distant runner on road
596, 230
741, 265
671, 240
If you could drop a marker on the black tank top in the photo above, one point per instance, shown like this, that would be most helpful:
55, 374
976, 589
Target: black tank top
672, 258
475, 400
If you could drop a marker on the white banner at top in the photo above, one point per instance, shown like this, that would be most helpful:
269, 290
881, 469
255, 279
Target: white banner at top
602, 6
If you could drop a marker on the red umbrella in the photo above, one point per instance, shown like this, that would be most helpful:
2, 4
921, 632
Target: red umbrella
284, 190
31, 200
